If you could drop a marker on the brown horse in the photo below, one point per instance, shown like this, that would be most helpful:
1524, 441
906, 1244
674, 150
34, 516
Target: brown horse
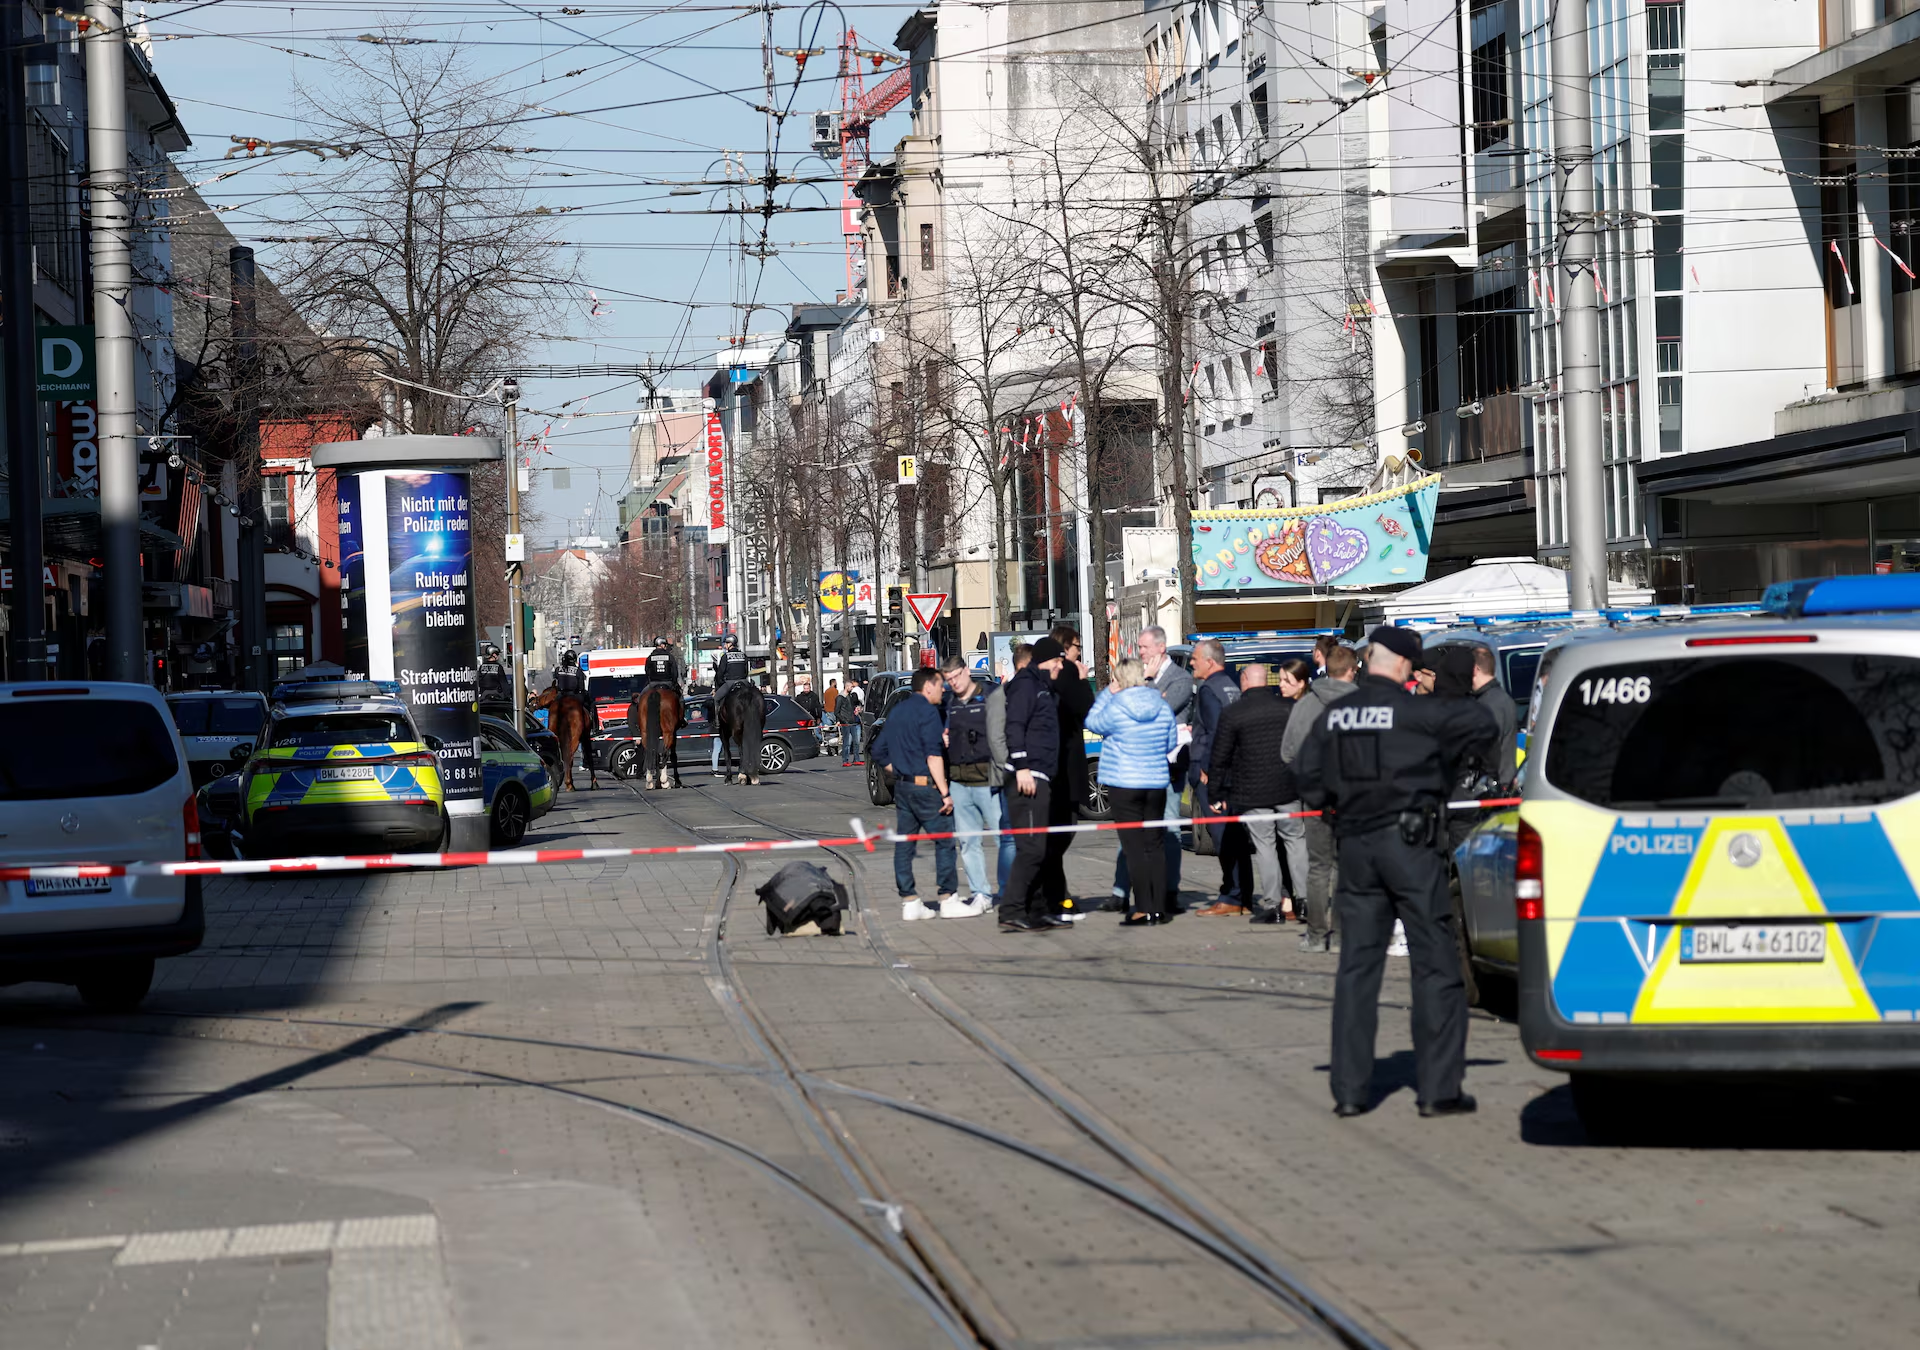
656, 713
571, 721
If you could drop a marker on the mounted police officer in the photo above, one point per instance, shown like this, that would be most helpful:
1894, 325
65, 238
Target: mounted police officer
663, 665
569, 679
731, 666
491, 683
1381, 761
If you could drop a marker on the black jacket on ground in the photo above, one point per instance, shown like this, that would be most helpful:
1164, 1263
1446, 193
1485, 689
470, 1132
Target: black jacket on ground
1247, 769
1033, 724
1381, 751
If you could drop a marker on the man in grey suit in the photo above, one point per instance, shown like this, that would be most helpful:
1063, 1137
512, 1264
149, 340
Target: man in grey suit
1176, 687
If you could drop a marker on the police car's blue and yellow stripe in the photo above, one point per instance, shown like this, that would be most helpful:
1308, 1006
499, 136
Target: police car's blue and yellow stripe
298, 783
1609, 876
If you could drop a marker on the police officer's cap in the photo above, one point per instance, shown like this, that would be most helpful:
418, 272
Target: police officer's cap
1400, 641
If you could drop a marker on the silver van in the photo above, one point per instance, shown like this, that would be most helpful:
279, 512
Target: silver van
94, 772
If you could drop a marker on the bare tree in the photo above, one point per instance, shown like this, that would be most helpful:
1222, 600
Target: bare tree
424, 247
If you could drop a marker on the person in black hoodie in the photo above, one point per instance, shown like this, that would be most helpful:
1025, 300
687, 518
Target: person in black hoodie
1072, 701
1247, 774
1033, 758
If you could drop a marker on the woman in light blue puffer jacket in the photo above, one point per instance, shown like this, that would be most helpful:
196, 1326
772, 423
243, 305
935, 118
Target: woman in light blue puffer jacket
1137, 738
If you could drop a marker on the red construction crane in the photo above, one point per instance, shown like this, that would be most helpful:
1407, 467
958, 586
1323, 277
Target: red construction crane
860, 108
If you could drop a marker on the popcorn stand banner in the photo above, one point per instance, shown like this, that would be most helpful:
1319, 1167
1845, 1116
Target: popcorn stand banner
1380, 539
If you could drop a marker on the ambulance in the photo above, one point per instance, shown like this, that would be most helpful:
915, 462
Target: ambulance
614, 676
1717, 858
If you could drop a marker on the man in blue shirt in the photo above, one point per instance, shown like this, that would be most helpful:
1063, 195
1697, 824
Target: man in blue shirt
913, 745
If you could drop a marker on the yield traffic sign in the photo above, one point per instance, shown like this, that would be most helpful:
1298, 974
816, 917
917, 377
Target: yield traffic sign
926, 608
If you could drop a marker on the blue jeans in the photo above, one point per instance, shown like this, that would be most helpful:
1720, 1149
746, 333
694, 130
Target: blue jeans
850, 741
1123, 879
975, 809
1006, 840
917, 811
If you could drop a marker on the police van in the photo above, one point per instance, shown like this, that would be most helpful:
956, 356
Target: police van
1717, 859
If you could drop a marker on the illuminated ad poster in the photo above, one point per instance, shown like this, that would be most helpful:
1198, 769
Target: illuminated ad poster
353, 574
1381, 539
430, 595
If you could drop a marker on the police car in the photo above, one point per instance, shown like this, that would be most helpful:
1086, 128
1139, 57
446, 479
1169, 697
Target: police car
219, 729
514, 776
344, 774
1717, 859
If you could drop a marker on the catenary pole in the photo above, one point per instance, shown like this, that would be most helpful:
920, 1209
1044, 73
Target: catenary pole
516, 640
1579, 319
110, 219
26, 602
241, 277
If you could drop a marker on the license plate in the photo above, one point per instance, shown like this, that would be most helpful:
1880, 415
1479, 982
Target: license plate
1754, 942
357, 773
68, 886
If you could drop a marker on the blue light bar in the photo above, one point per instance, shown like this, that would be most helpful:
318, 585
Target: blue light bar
1894, 593
1265, 633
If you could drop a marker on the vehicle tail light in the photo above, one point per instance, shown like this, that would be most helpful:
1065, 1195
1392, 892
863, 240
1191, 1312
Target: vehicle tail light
190, 817
1529, 874
1753, 640
1562, 1055
804, 723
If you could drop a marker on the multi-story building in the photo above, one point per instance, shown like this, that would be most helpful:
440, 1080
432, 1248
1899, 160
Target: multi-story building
1796, 398
1257, 107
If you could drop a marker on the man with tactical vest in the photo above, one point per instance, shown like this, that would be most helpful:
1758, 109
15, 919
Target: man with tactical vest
1380, 762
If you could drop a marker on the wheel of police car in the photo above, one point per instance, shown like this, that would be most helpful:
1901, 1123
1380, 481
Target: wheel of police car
775, 756
626, 761
511, 812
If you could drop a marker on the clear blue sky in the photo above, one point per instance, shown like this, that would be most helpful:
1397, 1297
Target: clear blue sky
230, 67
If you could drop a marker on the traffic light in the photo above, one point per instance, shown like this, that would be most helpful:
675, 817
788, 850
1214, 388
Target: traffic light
896, 603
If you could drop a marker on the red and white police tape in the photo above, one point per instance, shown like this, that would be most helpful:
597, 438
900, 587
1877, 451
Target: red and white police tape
534, 857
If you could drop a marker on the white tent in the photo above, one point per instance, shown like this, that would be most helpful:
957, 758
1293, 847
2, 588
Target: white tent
1495, 586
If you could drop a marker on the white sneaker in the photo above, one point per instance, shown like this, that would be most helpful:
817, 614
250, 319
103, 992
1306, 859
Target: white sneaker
1398, 946
953, 907
913, 909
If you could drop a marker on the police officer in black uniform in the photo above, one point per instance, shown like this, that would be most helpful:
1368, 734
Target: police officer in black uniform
731, 666
491, 683
1380, 762
663, 666
567, 679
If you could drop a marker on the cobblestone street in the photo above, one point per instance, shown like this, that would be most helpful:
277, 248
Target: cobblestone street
596, 1106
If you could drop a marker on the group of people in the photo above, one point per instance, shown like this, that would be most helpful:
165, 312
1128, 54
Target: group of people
967, 758
1344, 765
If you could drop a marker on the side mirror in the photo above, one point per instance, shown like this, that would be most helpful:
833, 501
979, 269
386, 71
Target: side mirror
433, 743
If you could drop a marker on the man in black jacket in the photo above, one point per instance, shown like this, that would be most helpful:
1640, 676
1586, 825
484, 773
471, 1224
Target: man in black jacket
1214, 691
1247, 772
1033, 757
1382, 761
1072, 701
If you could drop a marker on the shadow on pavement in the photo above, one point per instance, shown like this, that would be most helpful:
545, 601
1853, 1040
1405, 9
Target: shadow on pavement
1878, 1116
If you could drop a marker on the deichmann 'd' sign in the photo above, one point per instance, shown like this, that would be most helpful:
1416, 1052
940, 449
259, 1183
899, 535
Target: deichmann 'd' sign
1381, 539
63, 363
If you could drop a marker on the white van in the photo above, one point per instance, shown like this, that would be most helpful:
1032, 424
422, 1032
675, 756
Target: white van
94, 772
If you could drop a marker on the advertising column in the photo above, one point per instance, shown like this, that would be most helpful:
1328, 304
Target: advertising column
406, 551
430, 595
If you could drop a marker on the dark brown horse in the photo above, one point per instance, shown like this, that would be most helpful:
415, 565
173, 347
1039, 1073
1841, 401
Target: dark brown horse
656, 713
571, 721
740, 717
